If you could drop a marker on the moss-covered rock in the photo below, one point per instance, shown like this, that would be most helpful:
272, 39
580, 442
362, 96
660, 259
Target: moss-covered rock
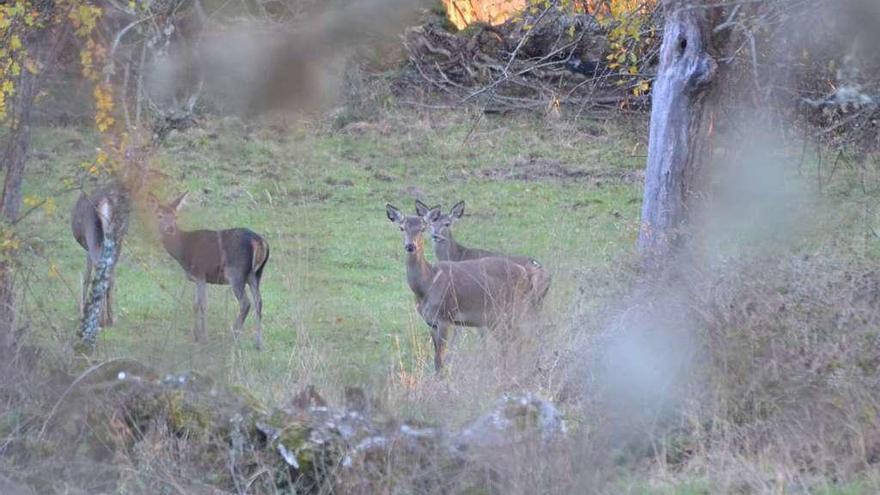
120, 426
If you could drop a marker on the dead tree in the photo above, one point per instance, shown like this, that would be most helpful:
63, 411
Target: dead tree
681, 126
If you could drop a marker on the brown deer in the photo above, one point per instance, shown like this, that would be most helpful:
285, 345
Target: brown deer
447, 249
486, 292
89, 222
233, 257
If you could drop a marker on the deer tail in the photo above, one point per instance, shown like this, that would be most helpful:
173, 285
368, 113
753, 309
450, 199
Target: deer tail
260, 249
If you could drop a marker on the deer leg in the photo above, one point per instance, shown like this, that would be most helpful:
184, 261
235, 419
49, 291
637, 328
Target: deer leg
244, 305
439, 332
107, 310
451, 342
254, 283
86, 283
200, 332
196, 312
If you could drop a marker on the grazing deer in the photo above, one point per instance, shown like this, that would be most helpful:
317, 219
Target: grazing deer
89, 221
233, 257
486, 292
447, 249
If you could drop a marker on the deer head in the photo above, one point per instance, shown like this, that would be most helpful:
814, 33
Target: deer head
412, 227
440, 224
166, 215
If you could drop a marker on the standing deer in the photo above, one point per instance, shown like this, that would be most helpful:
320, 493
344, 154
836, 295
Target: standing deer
487, 292
89, 221
447, 249
233, 257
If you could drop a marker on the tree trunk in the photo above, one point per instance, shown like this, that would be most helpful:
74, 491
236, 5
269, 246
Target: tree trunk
680, 129
14, 159
114, 222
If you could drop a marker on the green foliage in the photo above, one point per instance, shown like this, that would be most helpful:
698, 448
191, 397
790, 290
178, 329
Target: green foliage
631, 36
16, 20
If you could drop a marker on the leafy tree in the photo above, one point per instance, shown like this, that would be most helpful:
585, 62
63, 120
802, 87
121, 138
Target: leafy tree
31, 34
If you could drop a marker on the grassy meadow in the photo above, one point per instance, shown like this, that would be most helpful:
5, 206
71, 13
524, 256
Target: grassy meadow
336, 304
338, 311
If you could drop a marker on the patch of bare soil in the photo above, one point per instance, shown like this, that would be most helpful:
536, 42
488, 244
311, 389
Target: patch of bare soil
536, 169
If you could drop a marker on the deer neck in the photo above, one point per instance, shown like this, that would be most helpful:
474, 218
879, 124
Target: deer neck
450, 250
419, 273
173, 243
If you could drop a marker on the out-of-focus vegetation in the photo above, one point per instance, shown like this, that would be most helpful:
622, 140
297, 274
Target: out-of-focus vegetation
752, 370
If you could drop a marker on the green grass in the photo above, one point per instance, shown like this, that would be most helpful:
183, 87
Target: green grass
334, 289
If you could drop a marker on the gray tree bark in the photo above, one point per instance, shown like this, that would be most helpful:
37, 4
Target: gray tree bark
115, 226
680, 128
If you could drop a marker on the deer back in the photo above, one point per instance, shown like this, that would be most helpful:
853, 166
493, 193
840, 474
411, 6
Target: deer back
477, 292
215, 256
540, 279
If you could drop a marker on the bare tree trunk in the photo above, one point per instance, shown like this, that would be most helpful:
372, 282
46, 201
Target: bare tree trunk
14, 160
680, 129
114, 222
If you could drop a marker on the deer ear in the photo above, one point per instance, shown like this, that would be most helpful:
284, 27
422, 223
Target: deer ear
433, 215
457, 210
393, 213
421, 208
179, 202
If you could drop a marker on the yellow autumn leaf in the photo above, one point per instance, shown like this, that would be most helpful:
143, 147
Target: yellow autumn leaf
30, 200
49, 206
10, 244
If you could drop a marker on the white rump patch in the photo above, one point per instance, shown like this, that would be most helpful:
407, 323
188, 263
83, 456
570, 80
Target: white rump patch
104, 212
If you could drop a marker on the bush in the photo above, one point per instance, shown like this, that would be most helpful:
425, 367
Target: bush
757, 374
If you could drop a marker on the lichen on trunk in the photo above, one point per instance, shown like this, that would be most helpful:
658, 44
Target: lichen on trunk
114, 213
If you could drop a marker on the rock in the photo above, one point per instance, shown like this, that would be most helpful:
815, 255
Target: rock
513, 419
124, 410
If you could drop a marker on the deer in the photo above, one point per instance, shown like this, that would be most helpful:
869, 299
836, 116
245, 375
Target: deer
89, 221
234, 257
487, 292
446, 248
